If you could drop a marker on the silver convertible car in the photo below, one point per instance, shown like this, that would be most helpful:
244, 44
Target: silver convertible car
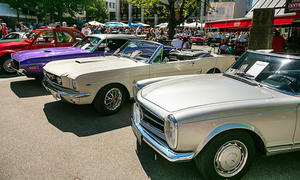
221, 120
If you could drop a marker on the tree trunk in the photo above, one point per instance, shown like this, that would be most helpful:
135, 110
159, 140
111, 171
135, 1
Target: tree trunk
172, 22
171, 26
18, 15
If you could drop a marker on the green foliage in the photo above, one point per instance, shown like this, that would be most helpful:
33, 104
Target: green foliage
54, 8
176, 11
97, 11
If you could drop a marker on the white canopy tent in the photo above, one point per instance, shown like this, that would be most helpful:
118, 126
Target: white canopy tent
95, 23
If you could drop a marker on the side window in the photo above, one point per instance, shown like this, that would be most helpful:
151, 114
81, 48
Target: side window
114, 44
45, 37
78, 36
64, 37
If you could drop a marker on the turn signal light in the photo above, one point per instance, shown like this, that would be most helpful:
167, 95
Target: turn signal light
33, 67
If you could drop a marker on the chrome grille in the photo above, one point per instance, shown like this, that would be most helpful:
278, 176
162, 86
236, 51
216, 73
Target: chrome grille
51, 77
154, 122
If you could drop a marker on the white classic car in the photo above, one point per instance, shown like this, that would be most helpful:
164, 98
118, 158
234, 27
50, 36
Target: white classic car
106, 82
186, 117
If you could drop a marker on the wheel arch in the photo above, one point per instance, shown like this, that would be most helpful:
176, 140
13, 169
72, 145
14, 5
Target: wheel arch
117, 84
257, 137
213, 70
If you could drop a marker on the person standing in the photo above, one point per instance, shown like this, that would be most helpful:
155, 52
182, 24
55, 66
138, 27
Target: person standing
278, 42
177, 43
4, 29
1, 34
86, 30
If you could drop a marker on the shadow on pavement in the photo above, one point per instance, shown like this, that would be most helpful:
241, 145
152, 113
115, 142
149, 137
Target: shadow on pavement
28, 88
2, 75
277, 167
84, 120
162, 169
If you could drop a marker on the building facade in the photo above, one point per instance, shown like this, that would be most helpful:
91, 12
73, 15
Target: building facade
111, 6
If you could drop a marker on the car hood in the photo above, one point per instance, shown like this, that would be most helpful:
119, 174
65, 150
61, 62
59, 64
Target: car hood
47, 52
201, 90
12, 45
76, 67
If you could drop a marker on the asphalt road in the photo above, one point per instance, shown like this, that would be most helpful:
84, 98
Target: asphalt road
41, 138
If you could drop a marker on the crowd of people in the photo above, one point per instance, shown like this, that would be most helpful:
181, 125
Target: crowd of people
228, 43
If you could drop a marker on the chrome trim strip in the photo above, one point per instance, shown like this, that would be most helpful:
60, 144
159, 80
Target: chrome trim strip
160, 147
61, 92
153, 120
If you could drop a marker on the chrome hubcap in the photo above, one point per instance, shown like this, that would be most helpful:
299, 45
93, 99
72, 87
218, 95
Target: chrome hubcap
230, 158
6, 66
113, 99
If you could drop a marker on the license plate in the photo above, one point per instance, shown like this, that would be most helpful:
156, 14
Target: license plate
137, 134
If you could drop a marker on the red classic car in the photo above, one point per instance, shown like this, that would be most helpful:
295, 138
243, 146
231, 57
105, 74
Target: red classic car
199, 40
37, 39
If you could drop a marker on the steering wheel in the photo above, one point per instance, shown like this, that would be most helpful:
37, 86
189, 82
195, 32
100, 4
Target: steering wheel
292, 82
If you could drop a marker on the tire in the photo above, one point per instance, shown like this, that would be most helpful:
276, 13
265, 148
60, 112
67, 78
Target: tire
4, 66
234, 142
213, 71
107, 92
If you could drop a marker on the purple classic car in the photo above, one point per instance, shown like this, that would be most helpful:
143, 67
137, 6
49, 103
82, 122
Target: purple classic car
30, 63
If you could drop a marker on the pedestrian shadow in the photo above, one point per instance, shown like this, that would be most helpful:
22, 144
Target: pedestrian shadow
84, 120
28, 88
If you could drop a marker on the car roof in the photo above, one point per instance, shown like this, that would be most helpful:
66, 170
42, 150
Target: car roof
113, 36
287, 56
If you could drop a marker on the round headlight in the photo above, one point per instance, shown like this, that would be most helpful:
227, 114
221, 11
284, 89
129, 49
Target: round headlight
170, 128
58, 80
137, 113
74, 84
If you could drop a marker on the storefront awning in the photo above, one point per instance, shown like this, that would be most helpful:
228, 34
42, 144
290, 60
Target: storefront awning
281, 20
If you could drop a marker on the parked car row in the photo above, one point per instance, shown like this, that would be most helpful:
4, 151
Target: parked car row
182, 109
37, 39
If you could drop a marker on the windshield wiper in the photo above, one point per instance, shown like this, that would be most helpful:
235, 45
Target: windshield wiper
245, 75
247, 80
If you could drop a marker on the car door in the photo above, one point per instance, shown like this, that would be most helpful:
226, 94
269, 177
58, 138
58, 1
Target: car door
164, 67
45, 39
64, 39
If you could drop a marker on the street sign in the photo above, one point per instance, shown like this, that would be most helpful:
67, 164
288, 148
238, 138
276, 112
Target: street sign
292, 6
261, 33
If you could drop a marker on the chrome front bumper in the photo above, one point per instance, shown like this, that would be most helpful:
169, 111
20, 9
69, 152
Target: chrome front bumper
64, 93
158, 145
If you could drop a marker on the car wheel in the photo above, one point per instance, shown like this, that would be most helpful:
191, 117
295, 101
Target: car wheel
5, 66
109, 99
227, 156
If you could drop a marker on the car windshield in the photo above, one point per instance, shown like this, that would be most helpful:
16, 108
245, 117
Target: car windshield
32, 35
88, 43
277, 72
138, 50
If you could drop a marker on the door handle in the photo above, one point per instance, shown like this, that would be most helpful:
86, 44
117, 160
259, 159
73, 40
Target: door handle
192, 62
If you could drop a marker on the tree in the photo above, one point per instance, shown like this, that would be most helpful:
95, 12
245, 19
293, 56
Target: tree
96, 11
176, 11
54, 8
